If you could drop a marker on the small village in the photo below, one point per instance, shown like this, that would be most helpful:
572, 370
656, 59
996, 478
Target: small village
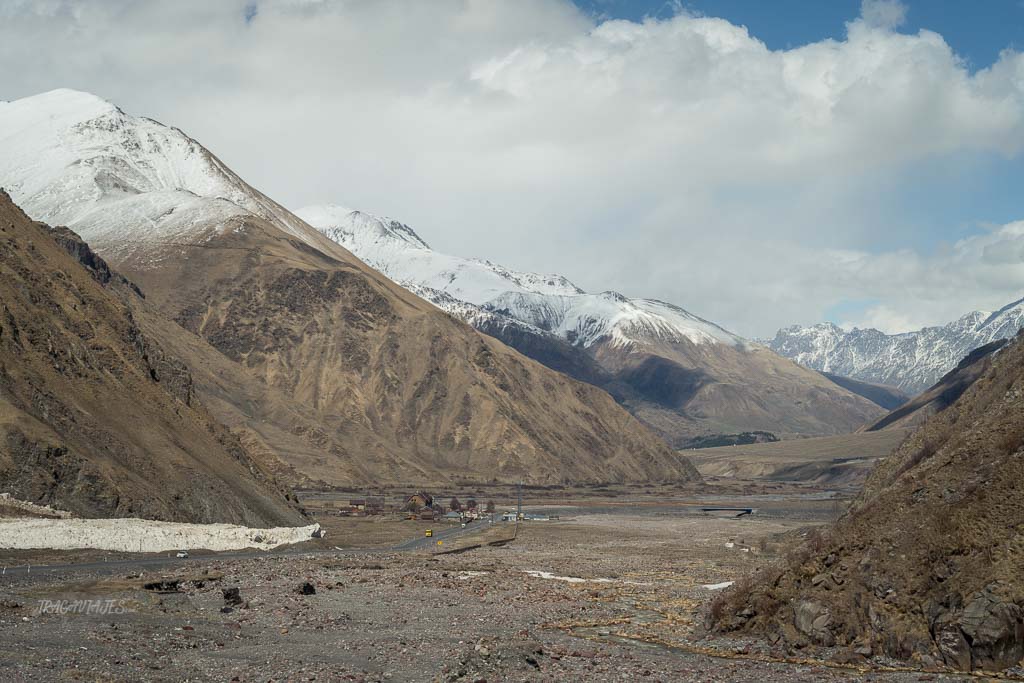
422, 506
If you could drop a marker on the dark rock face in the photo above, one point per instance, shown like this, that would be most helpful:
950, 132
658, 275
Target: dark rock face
80, 251
551, 351
994, 629
953, 647
77, 248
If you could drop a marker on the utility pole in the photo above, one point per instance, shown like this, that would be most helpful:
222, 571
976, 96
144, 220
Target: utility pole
519, 503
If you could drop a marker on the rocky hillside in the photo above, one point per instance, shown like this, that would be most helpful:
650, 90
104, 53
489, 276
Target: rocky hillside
328, 370
927, 563
96, 417
684, 376
912, 361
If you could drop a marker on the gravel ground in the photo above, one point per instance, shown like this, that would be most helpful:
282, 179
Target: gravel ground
623, 601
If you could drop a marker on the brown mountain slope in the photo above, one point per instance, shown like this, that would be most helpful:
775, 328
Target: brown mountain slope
927, 563
347, 378
95, 417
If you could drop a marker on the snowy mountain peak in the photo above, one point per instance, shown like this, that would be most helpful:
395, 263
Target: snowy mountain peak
396, 250
1011, 311
125, 183
352, 225
586, 319
68, 106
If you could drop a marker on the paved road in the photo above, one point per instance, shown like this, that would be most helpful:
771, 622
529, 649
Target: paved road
421, 542
164, 562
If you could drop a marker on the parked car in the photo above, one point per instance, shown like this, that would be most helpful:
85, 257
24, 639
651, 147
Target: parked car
182, 554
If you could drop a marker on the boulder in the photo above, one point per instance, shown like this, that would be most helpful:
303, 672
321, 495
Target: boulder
232, 596
813, 620
995, 630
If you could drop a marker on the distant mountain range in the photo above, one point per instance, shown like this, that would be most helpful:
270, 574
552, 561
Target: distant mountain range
684, 376
911, 361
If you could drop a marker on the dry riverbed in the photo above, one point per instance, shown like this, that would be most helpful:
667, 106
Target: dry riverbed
597, 595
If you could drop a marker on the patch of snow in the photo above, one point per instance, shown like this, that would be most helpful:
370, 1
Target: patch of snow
142, 535
718, 586
9, 501
469, 574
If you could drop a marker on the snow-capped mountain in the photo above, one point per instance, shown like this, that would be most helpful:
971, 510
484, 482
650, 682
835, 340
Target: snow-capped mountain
683, 375
475, 290
124, 183
912, 361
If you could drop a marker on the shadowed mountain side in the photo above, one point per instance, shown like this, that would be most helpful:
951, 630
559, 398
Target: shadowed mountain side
889, 398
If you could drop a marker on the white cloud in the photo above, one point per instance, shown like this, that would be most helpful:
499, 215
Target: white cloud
883, 13
679, 158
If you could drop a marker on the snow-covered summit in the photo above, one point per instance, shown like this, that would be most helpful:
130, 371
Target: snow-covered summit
397, 251
912, 361
478, 290
349, 224
585, 319
121, 181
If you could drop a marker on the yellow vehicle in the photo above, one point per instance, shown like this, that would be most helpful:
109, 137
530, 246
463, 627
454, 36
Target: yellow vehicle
429, 533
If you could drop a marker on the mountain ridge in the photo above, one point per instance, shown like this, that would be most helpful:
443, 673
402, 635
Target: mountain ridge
681, 374
911, 361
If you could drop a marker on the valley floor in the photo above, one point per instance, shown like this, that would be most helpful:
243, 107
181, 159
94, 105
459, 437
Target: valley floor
614, 589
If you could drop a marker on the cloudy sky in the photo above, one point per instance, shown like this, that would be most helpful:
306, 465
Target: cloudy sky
760, 164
